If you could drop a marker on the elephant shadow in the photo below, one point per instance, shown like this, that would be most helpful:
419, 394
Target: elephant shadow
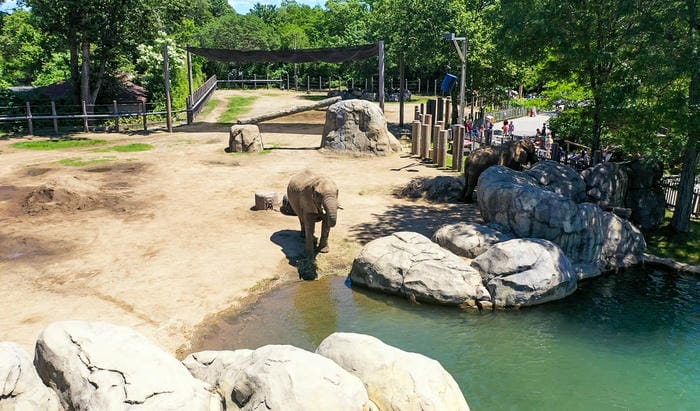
292, 245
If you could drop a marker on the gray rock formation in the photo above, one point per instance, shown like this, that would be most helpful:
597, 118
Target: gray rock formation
358, 126
101, 366
245, 138
395, 379
516, 200
559, 179
606, 184
20, 385
469, 240
523, 272
645, 197
411, 265
280, 377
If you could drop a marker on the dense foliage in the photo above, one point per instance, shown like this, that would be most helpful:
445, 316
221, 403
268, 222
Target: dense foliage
627, 71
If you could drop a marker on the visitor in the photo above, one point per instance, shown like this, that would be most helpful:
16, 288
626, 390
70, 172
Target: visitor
544, 130
505, 128
488, 132
511, 128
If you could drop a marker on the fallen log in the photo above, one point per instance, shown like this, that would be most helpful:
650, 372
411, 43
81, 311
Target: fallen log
288, 111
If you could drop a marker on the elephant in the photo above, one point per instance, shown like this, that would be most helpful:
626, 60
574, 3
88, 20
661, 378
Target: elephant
313, 198
512, 154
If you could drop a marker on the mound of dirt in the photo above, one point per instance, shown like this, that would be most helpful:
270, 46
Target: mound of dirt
66, 194
444, 189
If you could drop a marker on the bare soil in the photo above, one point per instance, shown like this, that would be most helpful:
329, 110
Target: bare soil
164, 240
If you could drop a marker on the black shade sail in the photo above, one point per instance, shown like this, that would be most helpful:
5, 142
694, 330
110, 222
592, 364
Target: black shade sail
328, 55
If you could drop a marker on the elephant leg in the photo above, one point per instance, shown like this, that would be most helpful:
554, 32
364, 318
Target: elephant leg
309, 235
469, 188
325, 230
301, 224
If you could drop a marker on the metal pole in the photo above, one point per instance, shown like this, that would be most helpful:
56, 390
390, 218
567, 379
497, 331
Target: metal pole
168, 107
190, 101
462, 81
381, 75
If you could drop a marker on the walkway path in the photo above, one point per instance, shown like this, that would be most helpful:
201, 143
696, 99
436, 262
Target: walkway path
527, 126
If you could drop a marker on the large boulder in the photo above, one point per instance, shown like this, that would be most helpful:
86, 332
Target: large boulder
469, 240
411, 265
645, 197
623, 245
395, 379
560, 179
245, 138
101, 366
280, 377
20, 385
517, 201
358, 126
523, 272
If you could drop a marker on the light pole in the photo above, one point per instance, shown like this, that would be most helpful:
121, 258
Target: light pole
462, 52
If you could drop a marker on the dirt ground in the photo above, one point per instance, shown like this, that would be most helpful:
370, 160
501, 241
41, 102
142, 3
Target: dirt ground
163, 240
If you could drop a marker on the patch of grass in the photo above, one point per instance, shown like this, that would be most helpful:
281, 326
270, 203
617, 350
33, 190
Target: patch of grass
209, 107
129, 148
263, 284
58, 144
682, 247
236, 107
79, 162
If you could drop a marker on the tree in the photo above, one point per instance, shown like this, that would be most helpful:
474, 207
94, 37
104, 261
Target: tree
99, 35
21, 55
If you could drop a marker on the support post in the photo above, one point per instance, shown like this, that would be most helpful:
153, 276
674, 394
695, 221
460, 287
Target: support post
381, 75
415, 136
144, 116
425, 136
434, 141
190, 83
55, 120
115, 110
401, 82
86, 127
168, 106
29, 119
442, 148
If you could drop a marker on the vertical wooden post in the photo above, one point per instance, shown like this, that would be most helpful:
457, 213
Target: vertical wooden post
86, 126
416, 113
54, 119
168, 106
442, 148
425, 136
433, 140
144, 116
418, 86
115, 110
190, 84
448, 111
440, 109
401, 102
308, 84
415, 136
381, 75
457, 147
29, 119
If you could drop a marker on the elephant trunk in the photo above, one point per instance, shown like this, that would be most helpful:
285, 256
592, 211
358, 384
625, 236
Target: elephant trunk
330, 205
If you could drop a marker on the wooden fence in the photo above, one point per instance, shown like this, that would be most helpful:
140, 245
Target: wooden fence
52, 119
670, 187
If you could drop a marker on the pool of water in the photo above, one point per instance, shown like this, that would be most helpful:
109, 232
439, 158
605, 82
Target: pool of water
628, 341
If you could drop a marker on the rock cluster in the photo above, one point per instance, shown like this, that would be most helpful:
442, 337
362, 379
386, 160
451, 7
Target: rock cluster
100, 366
539, 240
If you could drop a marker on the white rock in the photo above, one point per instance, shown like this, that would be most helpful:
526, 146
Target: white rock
395, 379
21, 389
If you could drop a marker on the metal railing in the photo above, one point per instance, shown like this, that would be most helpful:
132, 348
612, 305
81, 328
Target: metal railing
670, 186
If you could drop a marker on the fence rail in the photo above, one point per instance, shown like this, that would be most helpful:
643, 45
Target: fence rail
670, 186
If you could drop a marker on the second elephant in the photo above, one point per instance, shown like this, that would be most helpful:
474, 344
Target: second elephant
313, 198
512, 154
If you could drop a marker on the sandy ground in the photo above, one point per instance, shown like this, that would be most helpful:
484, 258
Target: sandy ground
165, 239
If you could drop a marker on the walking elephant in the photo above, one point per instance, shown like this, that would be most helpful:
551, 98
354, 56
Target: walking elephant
313, 198
512, 154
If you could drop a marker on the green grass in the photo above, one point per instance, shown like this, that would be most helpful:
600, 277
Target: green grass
79, 162
236, 107
58, 144
682, 247
129, 148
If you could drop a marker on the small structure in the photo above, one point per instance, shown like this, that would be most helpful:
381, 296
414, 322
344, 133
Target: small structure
267, 200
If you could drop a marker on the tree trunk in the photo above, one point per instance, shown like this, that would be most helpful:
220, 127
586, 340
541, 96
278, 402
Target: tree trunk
75, 71
85, 78
288, 111
681, 215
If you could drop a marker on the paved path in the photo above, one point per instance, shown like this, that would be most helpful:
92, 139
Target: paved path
527, 126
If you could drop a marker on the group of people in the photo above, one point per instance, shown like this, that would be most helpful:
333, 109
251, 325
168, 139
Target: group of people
484, 131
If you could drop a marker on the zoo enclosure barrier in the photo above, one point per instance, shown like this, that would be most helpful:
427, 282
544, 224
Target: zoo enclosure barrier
132, 116
670, 187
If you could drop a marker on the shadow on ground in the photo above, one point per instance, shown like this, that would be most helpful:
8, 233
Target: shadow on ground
421, 218
292, 245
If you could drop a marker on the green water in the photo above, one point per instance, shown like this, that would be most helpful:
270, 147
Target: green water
629, 341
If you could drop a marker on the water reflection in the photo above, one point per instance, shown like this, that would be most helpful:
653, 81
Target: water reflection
630, 340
